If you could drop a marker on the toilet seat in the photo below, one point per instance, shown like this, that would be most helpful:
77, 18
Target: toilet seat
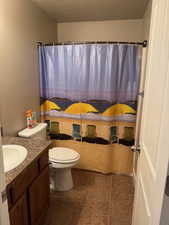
63, 155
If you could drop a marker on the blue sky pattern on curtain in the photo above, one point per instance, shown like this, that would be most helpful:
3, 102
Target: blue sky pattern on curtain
92, 81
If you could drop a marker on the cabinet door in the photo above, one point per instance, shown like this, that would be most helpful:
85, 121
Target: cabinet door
19, 212
39, 197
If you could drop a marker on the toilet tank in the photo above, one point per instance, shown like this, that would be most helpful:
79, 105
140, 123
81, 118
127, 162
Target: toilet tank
39, 131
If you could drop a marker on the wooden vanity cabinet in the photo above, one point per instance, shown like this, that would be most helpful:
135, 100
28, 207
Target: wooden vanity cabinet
19, 212
39, 197
28, 194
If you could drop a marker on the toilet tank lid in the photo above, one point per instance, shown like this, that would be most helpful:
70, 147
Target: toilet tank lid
28, 132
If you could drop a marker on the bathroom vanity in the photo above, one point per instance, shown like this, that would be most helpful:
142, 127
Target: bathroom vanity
28, 184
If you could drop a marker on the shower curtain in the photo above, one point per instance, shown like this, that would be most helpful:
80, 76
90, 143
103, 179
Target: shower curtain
89, 101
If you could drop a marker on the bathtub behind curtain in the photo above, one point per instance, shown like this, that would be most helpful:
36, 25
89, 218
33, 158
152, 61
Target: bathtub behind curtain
89, 100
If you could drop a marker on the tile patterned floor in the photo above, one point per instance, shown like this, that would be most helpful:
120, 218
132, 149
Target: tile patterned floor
96, 199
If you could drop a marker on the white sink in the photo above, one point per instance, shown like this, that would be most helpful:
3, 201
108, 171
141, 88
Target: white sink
13, 155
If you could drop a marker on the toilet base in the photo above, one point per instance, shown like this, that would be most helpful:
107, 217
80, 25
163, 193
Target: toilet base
61, 179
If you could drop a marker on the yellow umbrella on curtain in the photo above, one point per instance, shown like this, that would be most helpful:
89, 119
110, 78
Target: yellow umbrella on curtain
47, 106
118, 109
80, 108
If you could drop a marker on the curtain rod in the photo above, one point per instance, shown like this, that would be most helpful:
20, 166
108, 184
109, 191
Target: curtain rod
144, 43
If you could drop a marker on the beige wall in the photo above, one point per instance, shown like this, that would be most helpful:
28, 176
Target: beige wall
117, 30
22, 25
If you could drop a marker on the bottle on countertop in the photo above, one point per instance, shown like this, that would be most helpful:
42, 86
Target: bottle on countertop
29, 118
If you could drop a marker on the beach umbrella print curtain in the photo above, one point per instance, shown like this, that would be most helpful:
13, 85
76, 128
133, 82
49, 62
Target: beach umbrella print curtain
89, 92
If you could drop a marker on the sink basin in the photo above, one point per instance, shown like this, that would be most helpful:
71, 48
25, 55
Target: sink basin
13, 155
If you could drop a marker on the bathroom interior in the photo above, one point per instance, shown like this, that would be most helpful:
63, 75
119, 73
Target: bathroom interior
70, 108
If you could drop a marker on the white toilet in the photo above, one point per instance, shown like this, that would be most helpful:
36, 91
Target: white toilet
61, 159
61, 162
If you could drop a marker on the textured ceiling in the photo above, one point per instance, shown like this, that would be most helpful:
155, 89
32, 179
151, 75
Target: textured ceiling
93, 10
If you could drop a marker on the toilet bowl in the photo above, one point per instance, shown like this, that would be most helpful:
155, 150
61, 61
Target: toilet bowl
61, 161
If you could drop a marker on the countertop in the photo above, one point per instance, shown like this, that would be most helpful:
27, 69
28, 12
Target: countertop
34, 146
